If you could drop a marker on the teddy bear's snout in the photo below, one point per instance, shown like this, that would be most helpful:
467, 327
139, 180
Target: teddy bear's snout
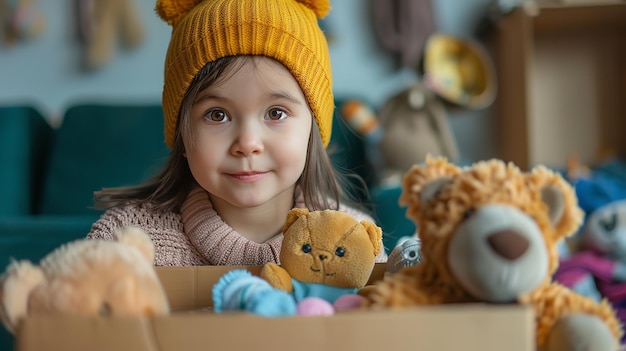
508, 243
323, 257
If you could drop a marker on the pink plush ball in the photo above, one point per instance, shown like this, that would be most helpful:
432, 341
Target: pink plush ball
314, 306
348, 302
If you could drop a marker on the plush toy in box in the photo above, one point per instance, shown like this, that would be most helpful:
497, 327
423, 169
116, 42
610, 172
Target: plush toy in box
86, 277
326, 257
489, 233
598, 266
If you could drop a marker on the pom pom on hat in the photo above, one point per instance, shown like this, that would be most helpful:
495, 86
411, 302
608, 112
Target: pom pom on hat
319, 7
171, 11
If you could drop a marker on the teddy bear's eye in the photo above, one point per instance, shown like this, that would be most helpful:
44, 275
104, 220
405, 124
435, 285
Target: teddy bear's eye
340, 251
306, 248
609, 224
105, 310
469, 213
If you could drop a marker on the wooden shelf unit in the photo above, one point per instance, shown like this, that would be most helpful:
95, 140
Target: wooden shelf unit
561, 84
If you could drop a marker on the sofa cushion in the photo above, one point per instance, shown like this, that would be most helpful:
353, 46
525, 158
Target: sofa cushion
100, 146
25, 138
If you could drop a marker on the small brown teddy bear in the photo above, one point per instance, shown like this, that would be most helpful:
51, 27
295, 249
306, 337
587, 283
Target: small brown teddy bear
489, 233
325, 247
325, 258
86, 277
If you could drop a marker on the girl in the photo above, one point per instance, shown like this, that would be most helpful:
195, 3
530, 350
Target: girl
248, 109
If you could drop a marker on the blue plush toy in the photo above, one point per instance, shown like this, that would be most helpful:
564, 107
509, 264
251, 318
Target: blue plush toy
239, 290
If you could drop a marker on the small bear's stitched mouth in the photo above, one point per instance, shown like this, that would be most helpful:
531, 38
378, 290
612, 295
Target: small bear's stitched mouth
325, 274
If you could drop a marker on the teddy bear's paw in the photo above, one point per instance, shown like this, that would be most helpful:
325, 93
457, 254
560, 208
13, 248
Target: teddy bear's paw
315, 306
272, 303
580, 332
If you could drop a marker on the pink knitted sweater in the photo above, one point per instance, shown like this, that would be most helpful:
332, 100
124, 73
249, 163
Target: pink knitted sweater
196, 236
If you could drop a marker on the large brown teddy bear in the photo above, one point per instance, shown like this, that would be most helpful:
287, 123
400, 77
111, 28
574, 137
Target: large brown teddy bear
489, 233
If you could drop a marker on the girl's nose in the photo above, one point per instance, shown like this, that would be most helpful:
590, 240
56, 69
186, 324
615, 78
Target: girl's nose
247, 142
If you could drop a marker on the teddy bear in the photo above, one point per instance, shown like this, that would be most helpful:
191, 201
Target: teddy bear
411, 124
86, 277
325, 258
100, 23
489, 234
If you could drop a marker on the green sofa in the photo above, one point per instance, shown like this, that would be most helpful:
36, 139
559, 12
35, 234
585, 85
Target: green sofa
49, 175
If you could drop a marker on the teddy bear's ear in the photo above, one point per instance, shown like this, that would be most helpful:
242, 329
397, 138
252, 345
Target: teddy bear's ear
376, 235
293, 216
560, 199
171, 11
422, 182
19, 280
136, 237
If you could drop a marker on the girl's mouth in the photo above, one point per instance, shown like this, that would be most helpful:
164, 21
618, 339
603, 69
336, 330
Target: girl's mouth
248, 176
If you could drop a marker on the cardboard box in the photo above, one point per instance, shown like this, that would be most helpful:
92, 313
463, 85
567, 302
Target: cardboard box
193, 327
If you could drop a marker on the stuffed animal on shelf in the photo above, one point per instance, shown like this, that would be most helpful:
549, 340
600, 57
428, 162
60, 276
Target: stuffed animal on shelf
325, 258
100, 23
415, 124
598, 267
86, 277
410, 125
489, 234
19, 20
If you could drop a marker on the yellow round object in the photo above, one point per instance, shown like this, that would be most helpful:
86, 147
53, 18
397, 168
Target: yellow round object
460, 71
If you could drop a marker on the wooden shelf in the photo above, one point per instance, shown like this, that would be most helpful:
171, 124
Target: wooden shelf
573, 18
562, 83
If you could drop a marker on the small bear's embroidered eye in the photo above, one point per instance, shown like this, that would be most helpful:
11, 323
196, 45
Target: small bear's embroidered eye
340, 251
105, 310
306, 248
609, 224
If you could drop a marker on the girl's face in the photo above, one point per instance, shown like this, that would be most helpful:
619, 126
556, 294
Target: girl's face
250, 133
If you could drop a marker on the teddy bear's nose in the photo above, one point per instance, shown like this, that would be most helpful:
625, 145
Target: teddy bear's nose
508, 244
323, 257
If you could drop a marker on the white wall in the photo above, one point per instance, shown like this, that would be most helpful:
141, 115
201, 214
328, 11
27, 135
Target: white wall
46, 71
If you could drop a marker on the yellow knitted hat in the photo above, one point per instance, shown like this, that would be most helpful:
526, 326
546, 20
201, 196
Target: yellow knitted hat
286, 30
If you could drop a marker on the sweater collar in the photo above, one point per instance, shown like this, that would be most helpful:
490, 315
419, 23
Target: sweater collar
219, 243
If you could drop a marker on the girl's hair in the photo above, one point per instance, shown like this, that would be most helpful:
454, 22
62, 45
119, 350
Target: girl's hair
321, 185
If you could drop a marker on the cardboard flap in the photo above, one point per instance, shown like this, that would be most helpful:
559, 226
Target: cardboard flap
191, 287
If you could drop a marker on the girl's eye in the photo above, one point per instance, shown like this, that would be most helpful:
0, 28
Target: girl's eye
216, 116
276, 114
